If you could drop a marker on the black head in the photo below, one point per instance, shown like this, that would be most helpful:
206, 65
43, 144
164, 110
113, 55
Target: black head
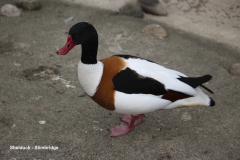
81, 33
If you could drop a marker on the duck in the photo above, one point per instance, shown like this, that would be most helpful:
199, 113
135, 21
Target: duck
131, 85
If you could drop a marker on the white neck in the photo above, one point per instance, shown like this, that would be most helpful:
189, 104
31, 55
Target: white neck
90, 76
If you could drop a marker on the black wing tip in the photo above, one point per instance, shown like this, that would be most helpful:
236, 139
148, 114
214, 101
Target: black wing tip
197, 81
208, 77
211, 103
207, 88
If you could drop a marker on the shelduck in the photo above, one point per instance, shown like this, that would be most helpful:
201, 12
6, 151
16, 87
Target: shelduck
131, 85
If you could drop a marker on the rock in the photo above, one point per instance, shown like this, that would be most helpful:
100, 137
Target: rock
153, 7
155, 30
149, 2
42, 122
131, 9
235, 69
10, 10
28, 4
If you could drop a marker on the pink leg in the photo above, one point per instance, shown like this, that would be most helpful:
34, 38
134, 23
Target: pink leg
127, 118
122, 129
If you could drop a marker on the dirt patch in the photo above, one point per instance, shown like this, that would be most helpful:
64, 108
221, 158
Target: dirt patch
4, 122
5, 47
165, 156
40, 73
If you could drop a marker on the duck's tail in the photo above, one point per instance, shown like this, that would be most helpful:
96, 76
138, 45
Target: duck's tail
200, 99
198, 81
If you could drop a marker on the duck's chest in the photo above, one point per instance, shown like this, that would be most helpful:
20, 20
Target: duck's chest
98, 84
89, 76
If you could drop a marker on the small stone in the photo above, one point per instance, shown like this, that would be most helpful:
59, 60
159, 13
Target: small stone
17, 64
28, 4
186, 117
235, 69
10, 10
68, 19
153, 7
42, 122
155, 30
131, 9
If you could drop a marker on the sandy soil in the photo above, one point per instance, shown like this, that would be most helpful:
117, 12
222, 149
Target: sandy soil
43, 106
218, 20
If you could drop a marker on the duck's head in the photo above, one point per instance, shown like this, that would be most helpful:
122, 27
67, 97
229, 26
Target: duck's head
81, 33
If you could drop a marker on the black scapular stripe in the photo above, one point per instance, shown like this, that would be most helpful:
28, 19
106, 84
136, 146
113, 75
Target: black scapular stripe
125, 56
130, 82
